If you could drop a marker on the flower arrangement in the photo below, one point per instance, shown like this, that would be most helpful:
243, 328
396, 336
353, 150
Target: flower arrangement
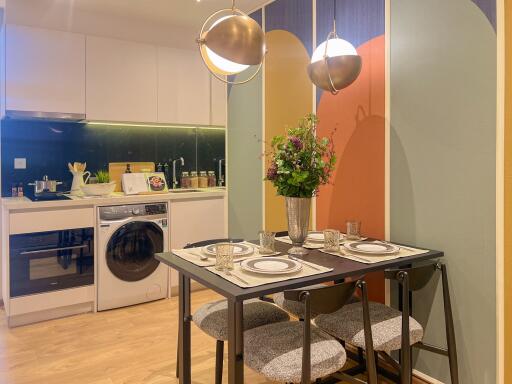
301, 161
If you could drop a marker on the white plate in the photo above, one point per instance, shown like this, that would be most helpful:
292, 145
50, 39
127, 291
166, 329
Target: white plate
371, 248
239, 250
318, 237
271, 265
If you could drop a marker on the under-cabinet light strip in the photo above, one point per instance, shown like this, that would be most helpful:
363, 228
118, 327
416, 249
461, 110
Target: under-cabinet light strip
142, 125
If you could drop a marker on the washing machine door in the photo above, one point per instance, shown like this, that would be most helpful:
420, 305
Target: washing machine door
131, 250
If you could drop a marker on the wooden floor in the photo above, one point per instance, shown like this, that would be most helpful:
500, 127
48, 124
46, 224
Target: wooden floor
125, 346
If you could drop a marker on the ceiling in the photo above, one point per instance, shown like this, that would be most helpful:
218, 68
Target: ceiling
182, 13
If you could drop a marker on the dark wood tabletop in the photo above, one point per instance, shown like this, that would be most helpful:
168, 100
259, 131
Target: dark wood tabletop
342, 268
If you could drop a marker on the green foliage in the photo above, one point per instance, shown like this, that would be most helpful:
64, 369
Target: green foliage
102, 176
301, 161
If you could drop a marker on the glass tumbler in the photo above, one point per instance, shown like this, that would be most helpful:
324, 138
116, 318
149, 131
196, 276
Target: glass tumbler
353, 230
224, 257
267, 242
332, 240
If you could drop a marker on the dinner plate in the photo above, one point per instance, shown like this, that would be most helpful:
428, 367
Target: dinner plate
271, 265
239, 250
371, 248
318, 237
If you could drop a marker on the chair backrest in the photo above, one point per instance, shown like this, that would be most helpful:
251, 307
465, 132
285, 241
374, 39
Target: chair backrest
204, 243
328, 299
417, 277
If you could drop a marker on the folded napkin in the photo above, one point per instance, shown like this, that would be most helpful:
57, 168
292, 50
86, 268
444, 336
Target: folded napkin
256, 279
372, 259
193, 255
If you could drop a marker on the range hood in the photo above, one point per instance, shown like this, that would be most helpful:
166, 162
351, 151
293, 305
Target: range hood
46, 116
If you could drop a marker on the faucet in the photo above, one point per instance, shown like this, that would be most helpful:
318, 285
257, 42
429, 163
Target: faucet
174, 179
221, 176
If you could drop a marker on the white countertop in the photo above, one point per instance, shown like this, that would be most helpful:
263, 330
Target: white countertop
116, 198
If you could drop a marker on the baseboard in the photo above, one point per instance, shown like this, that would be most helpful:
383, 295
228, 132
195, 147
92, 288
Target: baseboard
49, 314
426, 378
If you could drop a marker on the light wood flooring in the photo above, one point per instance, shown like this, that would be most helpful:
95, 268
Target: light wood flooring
134, 345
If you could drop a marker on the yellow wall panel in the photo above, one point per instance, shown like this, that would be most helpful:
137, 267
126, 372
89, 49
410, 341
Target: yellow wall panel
288, 97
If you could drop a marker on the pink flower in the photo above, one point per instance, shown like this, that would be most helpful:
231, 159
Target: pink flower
297, 143
272, 171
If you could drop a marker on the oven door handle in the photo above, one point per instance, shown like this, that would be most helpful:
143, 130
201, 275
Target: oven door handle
53, 249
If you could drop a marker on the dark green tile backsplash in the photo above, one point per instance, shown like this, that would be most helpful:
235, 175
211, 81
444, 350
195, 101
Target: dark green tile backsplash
49, 146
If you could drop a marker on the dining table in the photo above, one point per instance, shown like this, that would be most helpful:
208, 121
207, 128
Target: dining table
339, 269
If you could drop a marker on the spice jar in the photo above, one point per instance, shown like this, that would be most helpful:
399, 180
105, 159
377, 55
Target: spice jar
212, 179
203, 179
194, 180
185, 180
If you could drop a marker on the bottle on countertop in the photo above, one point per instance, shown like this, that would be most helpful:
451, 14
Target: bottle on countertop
185, 180
212, 179
203, 179
159, 167
194, 180
128, 169
14, 190
20, 190
167, 174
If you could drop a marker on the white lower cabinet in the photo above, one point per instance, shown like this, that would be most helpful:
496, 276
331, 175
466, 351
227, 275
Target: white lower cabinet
195, 220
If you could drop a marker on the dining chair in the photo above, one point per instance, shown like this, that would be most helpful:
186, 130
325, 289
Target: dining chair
300, 352
394, 330
212, 318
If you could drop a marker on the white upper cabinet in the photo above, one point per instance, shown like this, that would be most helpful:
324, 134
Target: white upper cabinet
219, 102
121, 80
183, 87
45, 70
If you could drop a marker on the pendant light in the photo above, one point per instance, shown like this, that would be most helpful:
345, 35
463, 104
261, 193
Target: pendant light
335, 63
230, 42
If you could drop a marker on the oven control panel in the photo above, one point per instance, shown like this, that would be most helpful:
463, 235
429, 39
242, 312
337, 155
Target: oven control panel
119, 212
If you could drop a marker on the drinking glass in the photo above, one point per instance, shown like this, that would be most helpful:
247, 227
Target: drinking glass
224, 259
267, 242
332, 240
353, 230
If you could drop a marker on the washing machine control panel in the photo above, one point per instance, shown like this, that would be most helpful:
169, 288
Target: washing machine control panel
119, 212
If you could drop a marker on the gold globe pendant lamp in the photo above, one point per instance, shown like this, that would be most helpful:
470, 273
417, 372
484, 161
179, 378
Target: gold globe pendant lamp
335, 63
230, 42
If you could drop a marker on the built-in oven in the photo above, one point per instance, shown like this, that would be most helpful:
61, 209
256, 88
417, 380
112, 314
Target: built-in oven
50, 261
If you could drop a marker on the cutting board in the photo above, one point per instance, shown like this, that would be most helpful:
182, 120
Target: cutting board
116, 171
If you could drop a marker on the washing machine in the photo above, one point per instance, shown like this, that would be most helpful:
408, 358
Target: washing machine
128, 238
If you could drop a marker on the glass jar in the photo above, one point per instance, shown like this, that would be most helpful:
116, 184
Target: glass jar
185, 180
212, 179
203, 179
194, 180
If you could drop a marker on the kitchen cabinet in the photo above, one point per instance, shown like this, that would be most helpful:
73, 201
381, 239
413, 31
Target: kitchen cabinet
45, 70
193, 221
183, 87
121, 80
218, 102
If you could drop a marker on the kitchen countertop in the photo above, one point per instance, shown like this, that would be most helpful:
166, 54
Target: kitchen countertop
116, 198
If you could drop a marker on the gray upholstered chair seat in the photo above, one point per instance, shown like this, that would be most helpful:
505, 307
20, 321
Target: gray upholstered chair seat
347, 324
275, 351
212, 318
294, 307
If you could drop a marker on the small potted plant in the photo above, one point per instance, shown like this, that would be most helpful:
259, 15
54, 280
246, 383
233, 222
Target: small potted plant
102, 187
299, 163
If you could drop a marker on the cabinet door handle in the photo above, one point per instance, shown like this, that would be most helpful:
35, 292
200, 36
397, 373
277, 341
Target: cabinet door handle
53, 249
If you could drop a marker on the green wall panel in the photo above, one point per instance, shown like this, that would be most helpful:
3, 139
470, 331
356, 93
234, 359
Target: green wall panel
245, 173
443, 133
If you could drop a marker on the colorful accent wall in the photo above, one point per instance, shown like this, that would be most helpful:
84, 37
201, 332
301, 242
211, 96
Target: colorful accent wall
357, 117
443, 169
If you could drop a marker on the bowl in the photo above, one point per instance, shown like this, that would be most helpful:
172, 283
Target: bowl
100, 189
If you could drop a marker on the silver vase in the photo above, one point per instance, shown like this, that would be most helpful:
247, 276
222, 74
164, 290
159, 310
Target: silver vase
297, 209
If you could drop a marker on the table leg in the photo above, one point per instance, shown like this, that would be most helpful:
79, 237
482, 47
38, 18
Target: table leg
184, 334
235, 342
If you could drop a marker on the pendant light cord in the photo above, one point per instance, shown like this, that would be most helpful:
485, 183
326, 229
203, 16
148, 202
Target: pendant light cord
334, 19
233, 5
